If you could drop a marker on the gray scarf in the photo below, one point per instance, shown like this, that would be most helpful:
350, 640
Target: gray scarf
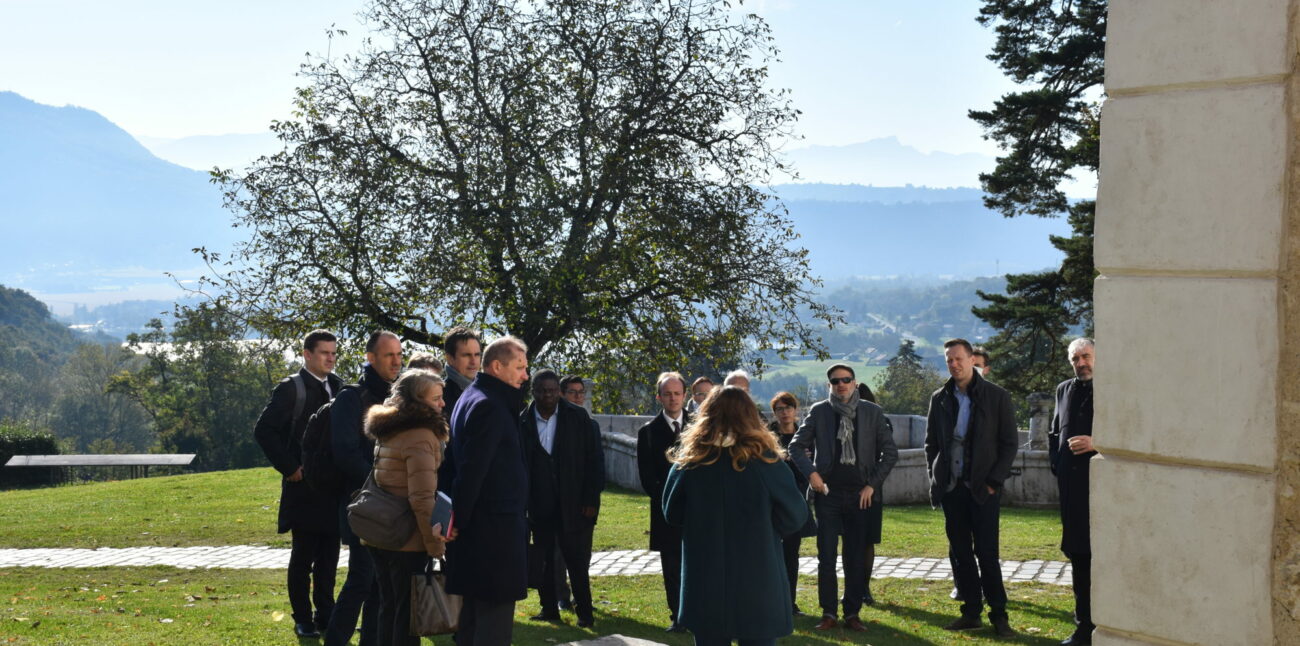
848, 412
457, 378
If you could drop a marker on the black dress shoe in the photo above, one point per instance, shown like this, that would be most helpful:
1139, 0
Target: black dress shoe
964, 623
586, 622
306, 630
1078, 639
1002, 627
867, 599
566, 604
675, 628
546, 616
797, 612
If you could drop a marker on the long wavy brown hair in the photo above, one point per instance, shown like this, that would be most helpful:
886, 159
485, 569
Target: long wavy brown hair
727, 422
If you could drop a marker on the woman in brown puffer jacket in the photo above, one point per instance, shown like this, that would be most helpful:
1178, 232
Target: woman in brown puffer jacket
410, 434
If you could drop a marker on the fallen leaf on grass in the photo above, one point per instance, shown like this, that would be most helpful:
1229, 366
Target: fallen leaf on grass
277, 616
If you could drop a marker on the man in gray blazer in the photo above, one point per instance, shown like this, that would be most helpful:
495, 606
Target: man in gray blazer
852, 443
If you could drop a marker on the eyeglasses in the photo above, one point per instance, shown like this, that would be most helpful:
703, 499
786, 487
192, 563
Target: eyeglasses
573, 392
835, 381
781, 409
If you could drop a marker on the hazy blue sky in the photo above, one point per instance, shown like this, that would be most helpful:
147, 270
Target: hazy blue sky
859, 69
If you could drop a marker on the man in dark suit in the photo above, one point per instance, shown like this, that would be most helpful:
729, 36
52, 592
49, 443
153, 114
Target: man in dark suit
853, 452
970, 444
565, 481
652, 441
353, 454
307, 515
1069, 445
488, 562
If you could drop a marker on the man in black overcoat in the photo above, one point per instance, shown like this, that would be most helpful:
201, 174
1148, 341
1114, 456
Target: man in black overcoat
307, 515
652, 442
565, 481
488, 562
1070, 449
354, 454
970, 445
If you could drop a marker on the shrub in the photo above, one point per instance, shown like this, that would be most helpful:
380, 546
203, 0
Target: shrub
18, 438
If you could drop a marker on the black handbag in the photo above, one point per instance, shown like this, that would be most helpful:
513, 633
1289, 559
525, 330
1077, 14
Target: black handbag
379, 518
433, 610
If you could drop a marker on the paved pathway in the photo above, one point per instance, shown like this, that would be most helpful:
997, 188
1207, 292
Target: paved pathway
623, 562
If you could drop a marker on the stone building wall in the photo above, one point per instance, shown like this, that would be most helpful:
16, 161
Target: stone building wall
1194, 508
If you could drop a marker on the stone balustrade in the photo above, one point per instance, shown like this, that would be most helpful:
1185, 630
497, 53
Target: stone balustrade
908, 483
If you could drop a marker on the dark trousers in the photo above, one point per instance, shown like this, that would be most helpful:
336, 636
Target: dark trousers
485, 623
576, 548
1081, 564
314, 556
973, 544
394, 571
357, 598
790, 550
838, 514
562, 591
671, 561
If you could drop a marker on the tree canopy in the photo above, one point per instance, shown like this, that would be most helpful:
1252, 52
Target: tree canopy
1056, 48
583, 174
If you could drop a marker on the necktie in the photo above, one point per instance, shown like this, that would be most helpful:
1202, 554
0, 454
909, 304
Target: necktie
677, 428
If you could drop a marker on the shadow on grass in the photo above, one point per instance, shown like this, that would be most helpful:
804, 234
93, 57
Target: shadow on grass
916, 615
528, 631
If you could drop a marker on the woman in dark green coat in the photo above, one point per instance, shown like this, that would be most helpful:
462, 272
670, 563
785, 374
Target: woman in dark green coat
734, 499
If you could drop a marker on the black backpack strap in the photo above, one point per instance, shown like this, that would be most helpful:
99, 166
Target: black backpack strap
299, 396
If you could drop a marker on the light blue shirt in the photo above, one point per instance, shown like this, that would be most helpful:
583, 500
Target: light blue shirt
959, 431
546, 429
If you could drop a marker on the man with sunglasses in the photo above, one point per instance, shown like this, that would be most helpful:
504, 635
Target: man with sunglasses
852, 443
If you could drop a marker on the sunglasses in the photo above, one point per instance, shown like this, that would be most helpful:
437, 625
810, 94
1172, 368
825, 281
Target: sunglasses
841, 380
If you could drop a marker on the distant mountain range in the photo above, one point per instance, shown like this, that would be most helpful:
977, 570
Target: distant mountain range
92, 216
87, 209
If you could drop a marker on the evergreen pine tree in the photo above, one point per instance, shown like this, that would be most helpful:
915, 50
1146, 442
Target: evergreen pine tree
1055, 48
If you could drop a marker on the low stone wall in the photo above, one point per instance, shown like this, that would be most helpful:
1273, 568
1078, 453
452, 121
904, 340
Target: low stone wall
907, 483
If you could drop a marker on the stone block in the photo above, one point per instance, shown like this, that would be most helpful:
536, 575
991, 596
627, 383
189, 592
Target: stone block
1165, 42
1187, 368
1167, 163
1186, 540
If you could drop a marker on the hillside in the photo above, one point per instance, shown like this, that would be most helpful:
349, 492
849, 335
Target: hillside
86, 207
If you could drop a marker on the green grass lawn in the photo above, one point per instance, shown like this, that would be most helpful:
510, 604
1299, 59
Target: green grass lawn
162, 606
239, 508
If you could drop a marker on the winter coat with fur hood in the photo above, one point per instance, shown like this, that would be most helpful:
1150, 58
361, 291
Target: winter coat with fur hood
407, 456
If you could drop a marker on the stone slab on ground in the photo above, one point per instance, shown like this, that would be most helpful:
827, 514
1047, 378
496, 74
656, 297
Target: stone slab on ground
614, 640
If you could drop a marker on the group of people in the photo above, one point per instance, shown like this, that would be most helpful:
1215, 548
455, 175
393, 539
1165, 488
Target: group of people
731, 495
452, 429
727, 520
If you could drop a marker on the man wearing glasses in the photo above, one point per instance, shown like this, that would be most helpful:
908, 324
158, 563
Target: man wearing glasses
852, 444
700, 389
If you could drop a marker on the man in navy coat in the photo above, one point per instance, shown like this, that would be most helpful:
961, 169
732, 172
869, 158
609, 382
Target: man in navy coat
1070, 448
488, 561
